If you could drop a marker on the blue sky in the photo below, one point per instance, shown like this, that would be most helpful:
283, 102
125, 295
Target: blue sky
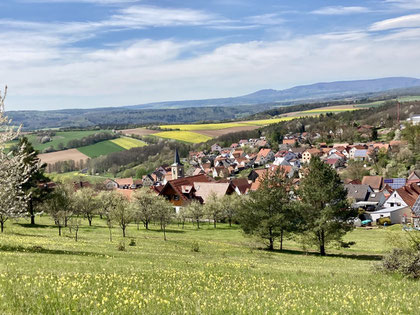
93, 53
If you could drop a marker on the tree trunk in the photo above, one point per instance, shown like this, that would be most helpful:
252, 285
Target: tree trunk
271, 239
110, 235
90, 221
31, 211
123, 228
59, 229
138, 226
77, 230
230, 222
214, 223
198, 224
183, 222
322, 244
164, 232
2, 226
146, 225
281, 240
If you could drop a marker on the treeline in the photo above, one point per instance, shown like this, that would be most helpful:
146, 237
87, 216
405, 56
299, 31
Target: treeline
91, 139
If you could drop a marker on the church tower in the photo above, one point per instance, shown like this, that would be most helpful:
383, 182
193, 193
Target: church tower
177, 167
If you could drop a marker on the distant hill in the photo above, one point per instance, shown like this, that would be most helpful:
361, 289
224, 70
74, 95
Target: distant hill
312, 92
315, 95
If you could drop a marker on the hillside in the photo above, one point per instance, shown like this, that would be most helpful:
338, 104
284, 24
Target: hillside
315, 95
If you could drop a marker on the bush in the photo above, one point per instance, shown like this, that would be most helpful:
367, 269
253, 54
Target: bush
405, 258
132, 242
382, 221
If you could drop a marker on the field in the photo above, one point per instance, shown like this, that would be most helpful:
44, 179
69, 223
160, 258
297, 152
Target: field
139, 132
42, 273
186, 136
100, 148
60, 137
128, 143
65, 155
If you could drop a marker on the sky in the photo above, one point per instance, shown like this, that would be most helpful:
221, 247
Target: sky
97, 53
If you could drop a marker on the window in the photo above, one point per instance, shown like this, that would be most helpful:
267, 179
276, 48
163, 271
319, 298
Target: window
176, 197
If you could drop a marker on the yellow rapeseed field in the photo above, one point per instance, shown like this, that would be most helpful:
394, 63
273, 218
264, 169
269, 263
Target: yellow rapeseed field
128, 143
186, 136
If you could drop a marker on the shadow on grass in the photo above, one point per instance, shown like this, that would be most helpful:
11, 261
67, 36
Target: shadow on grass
37, 226
347, 256
29, 235
42, 250
170, 231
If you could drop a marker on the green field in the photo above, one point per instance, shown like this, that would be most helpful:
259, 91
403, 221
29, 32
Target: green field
60, 137
128, 143
186, 136
42, 273
100, 148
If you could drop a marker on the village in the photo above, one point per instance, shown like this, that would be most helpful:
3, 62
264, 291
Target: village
238, 169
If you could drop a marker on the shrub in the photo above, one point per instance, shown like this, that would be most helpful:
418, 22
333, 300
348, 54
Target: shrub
382, 221
132, 242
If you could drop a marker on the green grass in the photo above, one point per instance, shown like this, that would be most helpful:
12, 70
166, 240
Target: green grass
42, 273
128, 143
61, 137
100, 148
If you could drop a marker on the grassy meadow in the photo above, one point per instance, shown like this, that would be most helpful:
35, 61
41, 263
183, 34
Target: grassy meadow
61, 137
100, 148
41, 272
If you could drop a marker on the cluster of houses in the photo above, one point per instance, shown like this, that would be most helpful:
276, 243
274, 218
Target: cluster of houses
216, 172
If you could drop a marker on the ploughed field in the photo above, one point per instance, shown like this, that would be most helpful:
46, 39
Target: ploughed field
41, 272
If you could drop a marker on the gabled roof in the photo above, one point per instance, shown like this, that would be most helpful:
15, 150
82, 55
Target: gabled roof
358, 192
205, 190
264, 152
361, 153
416, 207
376, 182
177, 184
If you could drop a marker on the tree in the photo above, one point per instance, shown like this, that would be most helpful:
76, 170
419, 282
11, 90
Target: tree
109, 201
267, 212
164, 212
86, 203
230, 206
14, 173
324, 208
123, 214
195, 211
213, 208
60, 205
182, 215
143, 204
34, 187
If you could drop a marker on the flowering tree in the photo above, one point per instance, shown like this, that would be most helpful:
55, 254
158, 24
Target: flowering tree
13, 171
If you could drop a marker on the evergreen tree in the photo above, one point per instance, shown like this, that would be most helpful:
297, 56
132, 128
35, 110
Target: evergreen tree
268, 212
35, 187
324, 209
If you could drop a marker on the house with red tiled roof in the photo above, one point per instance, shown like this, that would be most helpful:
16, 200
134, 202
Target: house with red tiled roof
404, 196
181, 191
375, 182
264, 156
203, 191
289, 141
309, 153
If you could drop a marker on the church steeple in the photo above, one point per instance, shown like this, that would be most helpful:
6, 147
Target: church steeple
177, 167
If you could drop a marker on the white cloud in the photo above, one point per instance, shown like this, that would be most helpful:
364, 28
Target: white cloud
45, 74
405, 4
340, 10
412, 20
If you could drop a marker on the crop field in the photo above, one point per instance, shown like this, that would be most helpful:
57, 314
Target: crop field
65, 155
186, 136
43, 273
60, 137
189, 127
128, 143
100, 148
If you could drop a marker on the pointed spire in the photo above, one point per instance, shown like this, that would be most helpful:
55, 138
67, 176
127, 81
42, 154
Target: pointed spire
177, 160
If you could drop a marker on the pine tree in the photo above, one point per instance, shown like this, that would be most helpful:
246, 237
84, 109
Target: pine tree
324, 209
